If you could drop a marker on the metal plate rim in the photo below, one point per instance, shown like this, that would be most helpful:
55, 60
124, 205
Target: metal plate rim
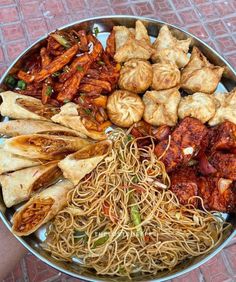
38, 255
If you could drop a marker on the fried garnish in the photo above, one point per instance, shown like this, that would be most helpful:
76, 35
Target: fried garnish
77, 64
71, 86
101, 83
111, 45
90, 88
25, 76
45, 59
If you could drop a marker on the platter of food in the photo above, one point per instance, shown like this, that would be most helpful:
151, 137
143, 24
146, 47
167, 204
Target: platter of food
118, 150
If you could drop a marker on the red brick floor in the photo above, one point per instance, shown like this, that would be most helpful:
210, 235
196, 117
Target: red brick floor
23, 21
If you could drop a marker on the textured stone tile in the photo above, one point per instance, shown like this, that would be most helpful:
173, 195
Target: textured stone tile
13, 32
14, 49
199, 30
8, 14
217, 28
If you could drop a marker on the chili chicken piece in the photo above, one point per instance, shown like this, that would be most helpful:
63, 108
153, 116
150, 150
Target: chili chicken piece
223, 137
184, 185
217, 193
225, 164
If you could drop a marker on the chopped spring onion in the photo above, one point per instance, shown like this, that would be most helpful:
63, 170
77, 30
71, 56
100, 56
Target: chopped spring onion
96, 31
87, 111
10, 81
101, 62
66, 101
79, 234
21, 84
66, 69
100, 241
135, 179
49, 90
61, 39
136, 219
80, 68
55, 74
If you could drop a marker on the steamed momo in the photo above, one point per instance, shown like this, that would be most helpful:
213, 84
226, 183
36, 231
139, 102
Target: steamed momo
200, 75
124, 108
170, 49
161, 107
165, 76
135, 76
198, 105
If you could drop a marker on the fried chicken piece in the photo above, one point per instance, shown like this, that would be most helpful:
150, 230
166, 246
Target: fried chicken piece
186, 141
217, 193
189, 135
172, 157
223, 137
225, 164
184, 185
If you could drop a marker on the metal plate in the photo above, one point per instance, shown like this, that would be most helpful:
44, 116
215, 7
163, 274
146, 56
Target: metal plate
228, 82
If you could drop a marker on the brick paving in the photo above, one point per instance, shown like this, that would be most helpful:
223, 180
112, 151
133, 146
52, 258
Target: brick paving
24, 21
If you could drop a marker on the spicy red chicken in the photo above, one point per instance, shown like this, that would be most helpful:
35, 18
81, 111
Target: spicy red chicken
217, 193
184, 185
185, 142
225, 164
223, 137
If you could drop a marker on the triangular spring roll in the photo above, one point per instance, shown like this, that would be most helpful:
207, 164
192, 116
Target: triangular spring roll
77, 165
41, 208
19, 186
19, 106
44, 147
11, 162
24, 127
69, 117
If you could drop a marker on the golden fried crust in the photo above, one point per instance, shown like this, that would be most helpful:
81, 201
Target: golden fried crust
169, 49
124, 108
226, 105
198, 105
184, 185
135, 76
223, 137
165, 76
216, 198
161, 107
225, 164
199, 75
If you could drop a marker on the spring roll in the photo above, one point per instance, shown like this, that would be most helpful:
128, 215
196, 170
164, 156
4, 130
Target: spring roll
69, 117
24, 127
10, 162
77, 165
19, 106
44, 147
20, 185
41, 208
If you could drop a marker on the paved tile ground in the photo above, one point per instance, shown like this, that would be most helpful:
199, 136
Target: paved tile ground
23, 21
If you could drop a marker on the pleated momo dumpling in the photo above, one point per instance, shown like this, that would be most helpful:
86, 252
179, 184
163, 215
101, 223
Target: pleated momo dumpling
165, 76
170, 49
132, 43
199, 105
136, 76
200, 75
161, 107
124, 108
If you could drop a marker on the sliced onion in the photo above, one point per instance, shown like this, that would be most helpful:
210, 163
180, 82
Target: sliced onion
204, 166
223, 184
